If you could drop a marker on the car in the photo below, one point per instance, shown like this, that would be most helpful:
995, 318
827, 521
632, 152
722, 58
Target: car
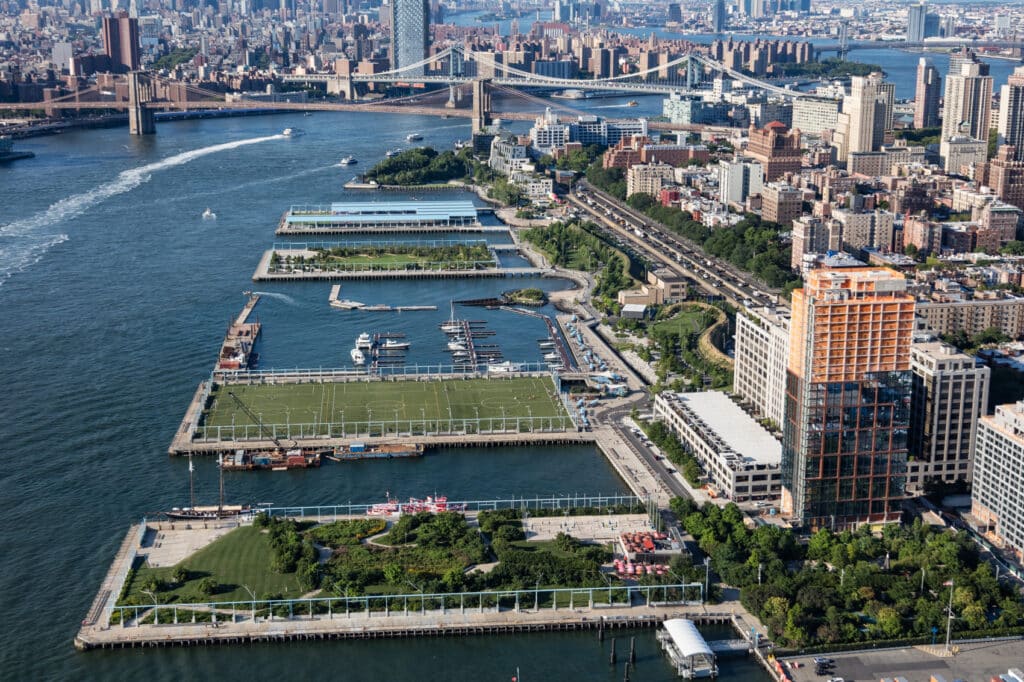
823, 660
837, 679
670, 470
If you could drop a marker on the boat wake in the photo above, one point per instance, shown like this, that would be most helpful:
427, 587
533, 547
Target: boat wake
23, 242
279, 297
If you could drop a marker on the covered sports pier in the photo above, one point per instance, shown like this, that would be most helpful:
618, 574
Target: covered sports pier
690, 654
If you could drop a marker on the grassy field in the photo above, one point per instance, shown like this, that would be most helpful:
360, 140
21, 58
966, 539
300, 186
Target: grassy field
686, 320
354, 402
242, 557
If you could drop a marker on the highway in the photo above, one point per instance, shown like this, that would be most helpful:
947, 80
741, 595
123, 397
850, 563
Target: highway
668, 249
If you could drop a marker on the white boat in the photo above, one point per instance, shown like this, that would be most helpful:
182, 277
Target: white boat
456, 345
392, 152
348, 161
503, 367
364, 342
209, 215
413, 137
357, 357
551, 357
393, 344
291, 132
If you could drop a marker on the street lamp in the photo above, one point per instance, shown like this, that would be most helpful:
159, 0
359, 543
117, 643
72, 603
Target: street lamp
707, 576
156, 610
253, 595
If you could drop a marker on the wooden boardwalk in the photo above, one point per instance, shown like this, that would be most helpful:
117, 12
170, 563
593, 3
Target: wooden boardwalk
239, 628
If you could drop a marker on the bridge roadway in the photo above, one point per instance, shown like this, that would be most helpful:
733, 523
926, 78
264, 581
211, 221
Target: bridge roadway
337, 106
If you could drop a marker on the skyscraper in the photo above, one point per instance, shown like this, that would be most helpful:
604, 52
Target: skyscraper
968, 103
410, 33
861, 125
926, 97
121, 43
1011, 113
718, 17
915, 22
949, 395
844, 448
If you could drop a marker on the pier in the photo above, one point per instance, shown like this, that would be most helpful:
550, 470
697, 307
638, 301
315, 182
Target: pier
264, 274
236, 350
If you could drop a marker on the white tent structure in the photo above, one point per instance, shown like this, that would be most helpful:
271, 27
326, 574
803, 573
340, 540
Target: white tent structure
686, 647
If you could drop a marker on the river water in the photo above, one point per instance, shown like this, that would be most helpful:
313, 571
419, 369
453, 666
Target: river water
114, 297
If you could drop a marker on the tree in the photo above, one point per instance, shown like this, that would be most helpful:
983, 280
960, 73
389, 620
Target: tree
1014, 248
910, 250
888, 623
180, 575
394, 573
207, 586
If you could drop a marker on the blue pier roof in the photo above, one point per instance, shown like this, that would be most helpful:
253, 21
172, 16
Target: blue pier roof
406, 212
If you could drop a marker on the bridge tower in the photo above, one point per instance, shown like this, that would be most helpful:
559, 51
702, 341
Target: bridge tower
844, 40
140, 92
481, 104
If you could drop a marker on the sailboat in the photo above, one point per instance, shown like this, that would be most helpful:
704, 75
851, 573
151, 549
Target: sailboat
452, 326
210, 512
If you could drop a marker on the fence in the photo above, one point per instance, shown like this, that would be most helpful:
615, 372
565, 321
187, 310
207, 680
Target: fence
385, 427
383, 606
397, 373
565, 502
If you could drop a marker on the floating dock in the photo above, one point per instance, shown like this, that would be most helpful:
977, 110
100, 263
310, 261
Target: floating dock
236, 350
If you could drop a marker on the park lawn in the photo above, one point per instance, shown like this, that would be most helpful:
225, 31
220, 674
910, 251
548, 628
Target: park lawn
385, 400
687, 320
242, 557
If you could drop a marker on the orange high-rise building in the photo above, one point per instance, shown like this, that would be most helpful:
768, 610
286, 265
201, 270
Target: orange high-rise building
847, 398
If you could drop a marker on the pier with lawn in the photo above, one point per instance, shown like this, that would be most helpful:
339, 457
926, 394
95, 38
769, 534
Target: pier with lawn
386, 260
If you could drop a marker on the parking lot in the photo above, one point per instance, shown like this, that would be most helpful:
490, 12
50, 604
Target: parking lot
975, 662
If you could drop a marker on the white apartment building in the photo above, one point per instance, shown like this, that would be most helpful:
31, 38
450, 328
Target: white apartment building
739, 179
997, 496
949, 395
739, 457
761, 353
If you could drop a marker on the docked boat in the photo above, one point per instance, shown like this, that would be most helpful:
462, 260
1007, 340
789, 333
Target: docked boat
413, 137
364, 341
388, 508
431, 505
207, 512
506, 367
456, 345
394, 344
348, 161
356, 451
276, 460
358, 357
209, 215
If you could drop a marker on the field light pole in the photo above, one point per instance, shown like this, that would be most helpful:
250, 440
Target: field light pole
253, 595
949, 618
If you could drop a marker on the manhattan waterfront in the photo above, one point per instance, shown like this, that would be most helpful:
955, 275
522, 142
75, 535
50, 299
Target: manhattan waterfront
106, 251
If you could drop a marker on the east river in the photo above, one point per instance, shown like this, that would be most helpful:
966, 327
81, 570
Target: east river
114, 296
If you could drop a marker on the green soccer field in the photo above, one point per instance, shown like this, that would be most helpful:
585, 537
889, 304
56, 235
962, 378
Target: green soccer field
384, 401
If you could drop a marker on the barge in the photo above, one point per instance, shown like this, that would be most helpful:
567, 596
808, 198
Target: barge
358, 451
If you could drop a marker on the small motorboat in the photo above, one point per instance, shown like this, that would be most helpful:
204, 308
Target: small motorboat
358, 358
413, 137
209, 215
291, 132
348, 161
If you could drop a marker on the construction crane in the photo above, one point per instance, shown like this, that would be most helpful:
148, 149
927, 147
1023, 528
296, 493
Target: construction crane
259, 422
